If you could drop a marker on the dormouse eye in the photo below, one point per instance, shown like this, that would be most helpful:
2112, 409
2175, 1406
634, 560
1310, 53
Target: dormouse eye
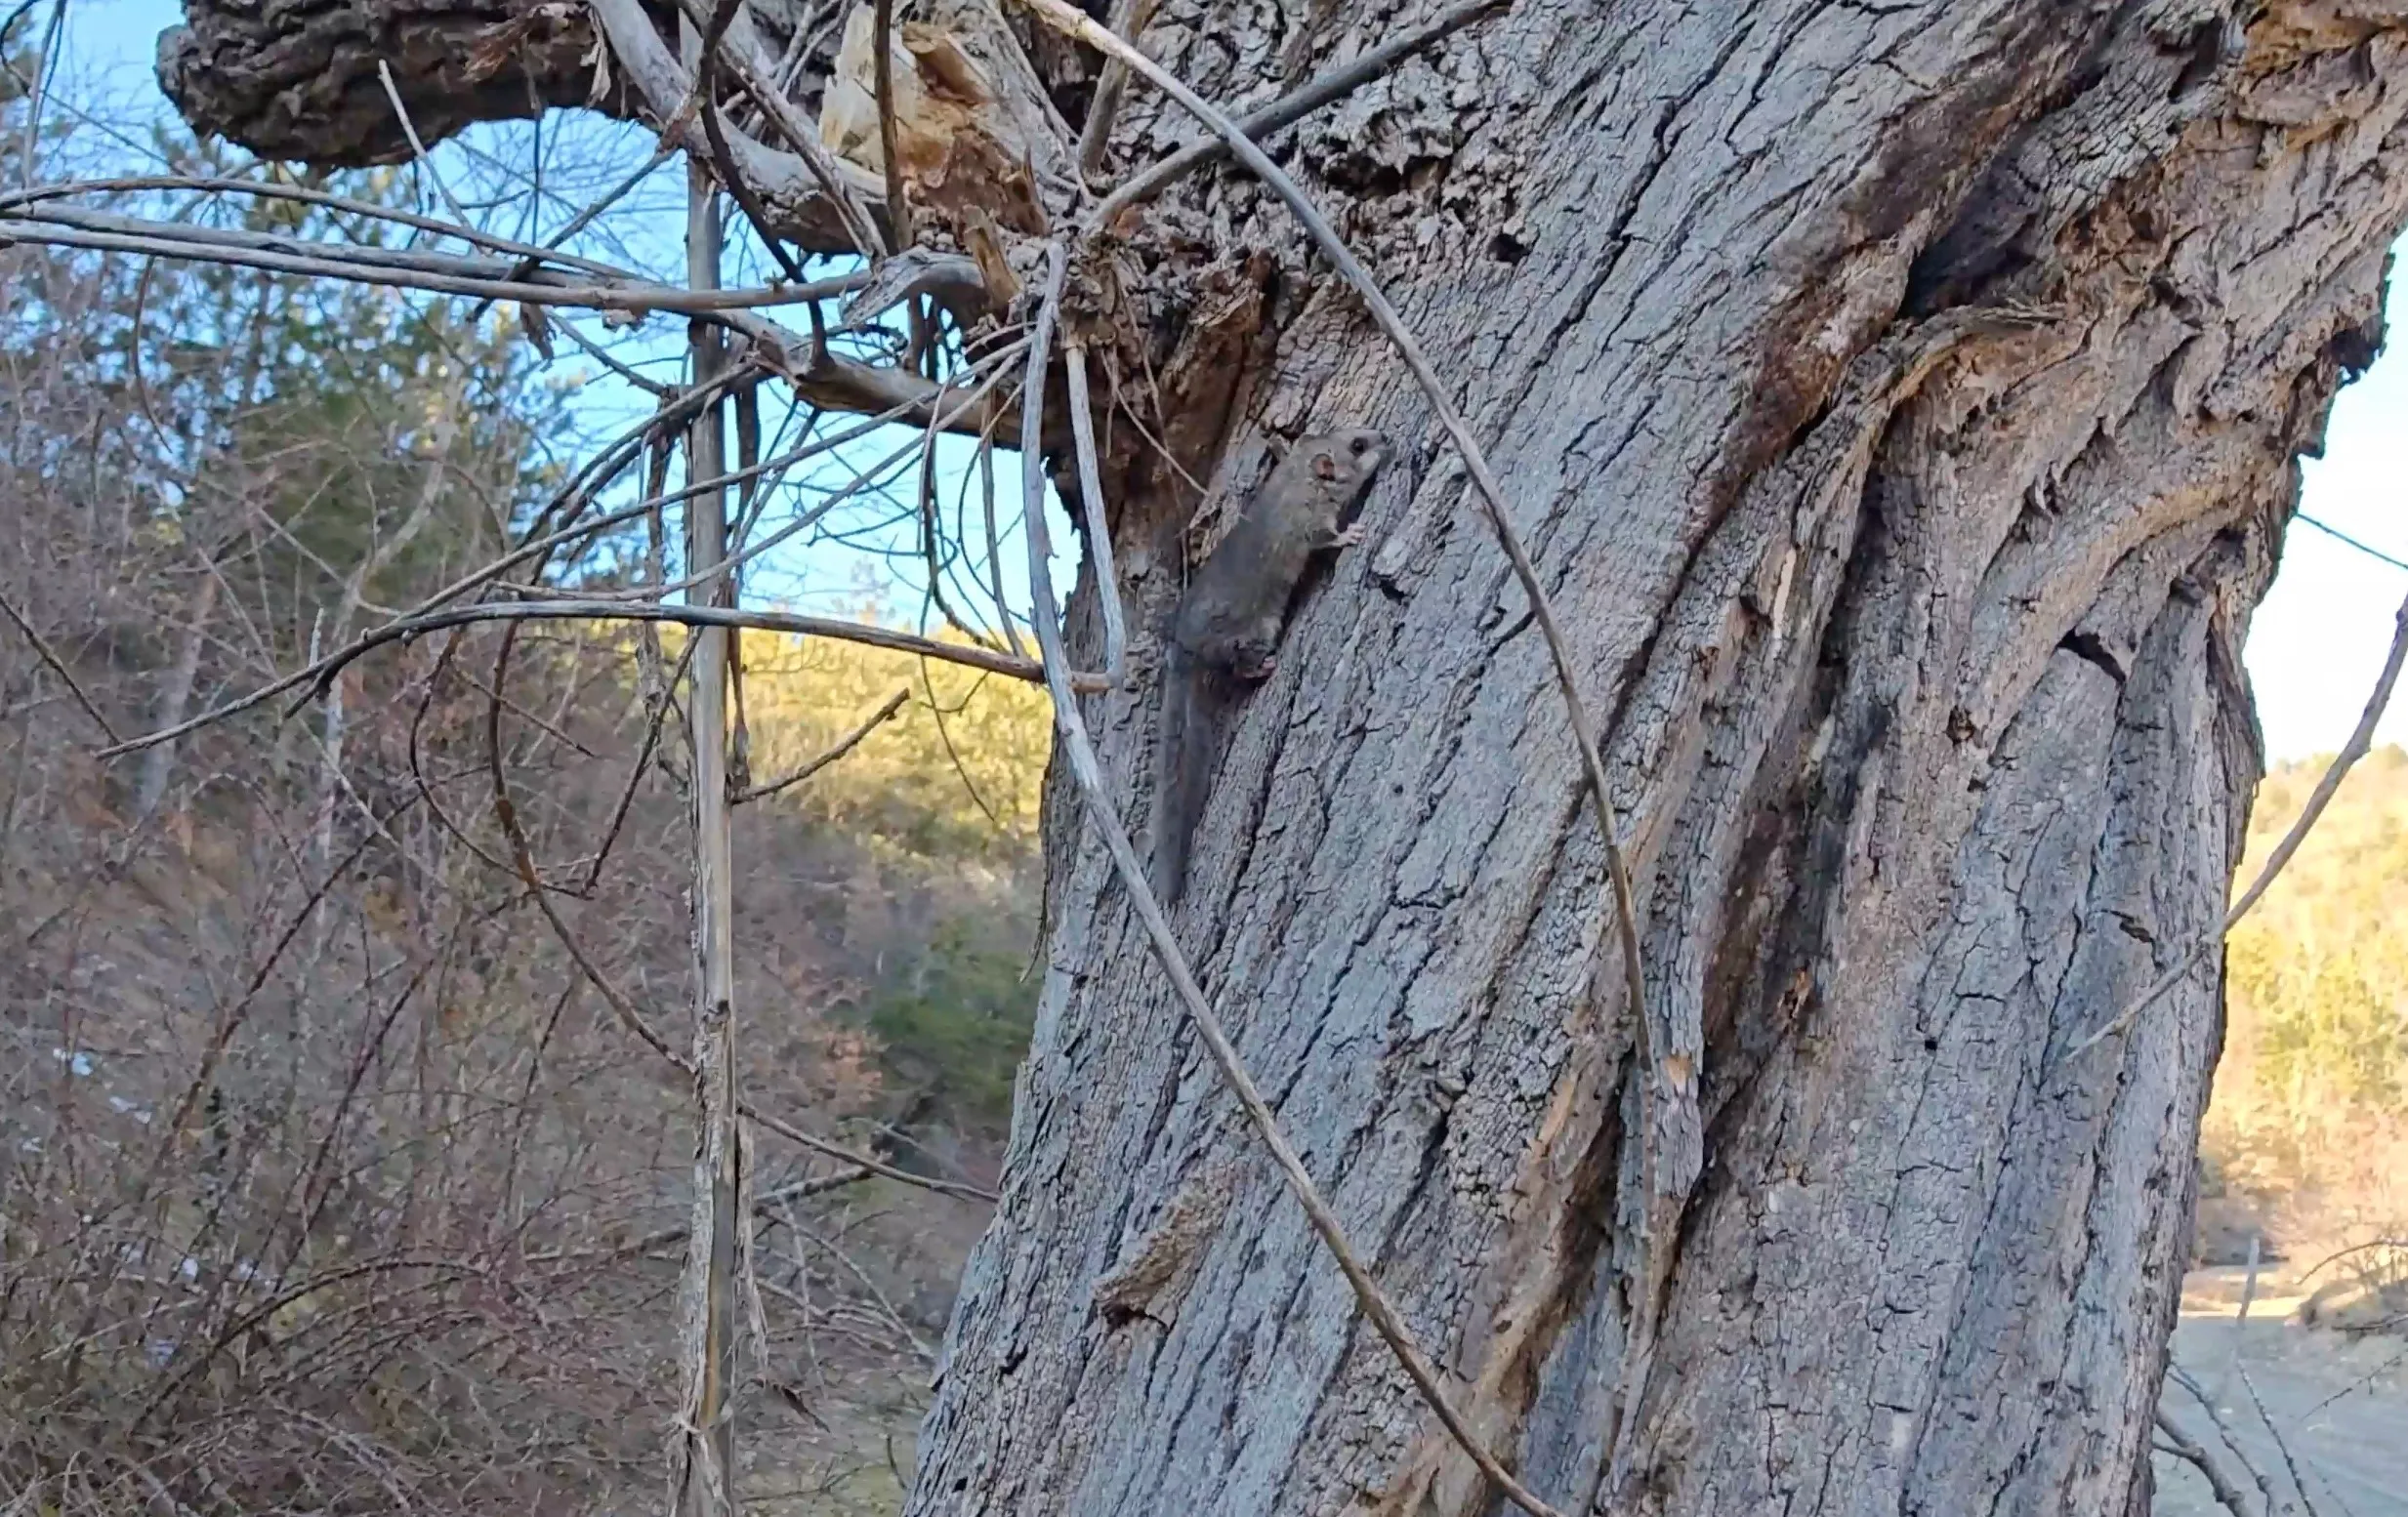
1358, 445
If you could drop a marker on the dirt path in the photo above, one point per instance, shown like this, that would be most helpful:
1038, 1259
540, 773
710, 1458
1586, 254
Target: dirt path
2340, 1406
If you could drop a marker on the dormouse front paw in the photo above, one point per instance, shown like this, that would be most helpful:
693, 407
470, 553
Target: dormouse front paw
1351, 535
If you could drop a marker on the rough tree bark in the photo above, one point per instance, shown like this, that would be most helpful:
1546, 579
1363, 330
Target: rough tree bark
1903, 403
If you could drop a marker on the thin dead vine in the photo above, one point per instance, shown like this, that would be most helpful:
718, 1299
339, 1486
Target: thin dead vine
1087, 772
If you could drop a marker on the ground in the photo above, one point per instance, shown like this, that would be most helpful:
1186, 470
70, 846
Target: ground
2341, 1403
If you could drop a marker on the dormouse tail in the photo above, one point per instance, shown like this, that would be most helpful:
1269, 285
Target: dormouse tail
1187, 751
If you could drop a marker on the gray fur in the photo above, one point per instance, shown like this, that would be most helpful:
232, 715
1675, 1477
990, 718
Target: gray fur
1227, 625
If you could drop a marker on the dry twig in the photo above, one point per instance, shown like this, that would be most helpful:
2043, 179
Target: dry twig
843, 746
534, 255
1099, 528
1129, 19
49, 656
2207, 1404
2182, 1447
395, 269
866, 632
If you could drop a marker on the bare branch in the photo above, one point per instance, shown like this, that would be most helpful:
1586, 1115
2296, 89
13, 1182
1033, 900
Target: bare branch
863, 480
418, 149
49, 656
819, 1145
2345, 540
2190, 1382
427, 617
1099, 530
951, 279
1129, 19
2181, 1445
570, 500
45, 63
2282, 1445
667, 87
301, 194
568, 610
398, 268
833, 384
994, 544
706, 93
843, 746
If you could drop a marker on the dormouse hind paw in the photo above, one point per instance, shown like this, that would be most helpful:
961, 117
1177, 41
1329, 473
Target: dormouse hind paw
1351, 535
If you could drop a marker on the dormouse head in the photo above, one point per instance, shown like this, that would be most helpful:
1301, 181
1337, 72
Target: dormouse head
1344, 462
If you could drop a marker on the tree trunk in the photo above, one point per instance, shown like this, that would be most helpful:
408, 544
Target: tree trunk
1901, 404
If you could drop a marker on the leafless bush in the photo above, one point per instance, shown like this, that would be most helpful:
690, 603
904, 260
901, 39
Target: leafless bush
327, 1182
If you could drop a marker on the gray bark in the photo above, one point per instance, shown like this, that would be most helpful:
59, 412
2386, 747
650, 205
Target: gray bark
299, 80
1901, 404
1933, 745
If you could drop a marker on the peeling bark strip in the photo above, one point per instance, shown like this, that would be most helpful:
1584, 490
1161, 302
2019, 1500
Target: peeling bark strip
1900, 406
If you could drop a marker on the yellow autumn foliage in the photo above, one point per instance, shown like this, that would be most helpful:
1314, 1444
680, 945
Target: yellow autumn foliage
955, 775
2312, 1091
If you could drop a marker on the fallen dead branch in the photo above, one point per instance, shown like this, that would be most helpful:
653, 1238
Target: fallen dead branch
2181, 1445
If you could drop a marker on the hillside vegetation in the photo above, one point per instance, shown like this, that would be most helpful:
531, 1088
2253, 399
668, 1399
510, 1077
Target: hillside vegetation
332, 1180
2310, 1119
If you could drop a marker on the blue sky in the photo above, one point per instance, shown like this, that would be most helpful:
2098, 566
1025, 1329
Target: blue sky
2315, 647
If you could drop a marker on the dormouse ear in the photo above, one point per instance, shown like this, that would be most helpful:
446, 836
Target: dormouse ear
1324, 466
